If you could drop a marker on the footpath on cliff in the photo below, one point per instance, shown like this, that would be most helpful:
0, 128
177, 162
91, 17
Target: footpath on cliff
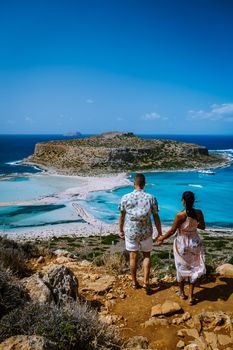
159, 321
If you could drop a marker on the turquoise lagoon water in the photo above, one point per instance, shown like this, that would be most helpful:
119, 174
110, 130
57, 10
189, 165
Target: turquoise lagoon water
214, 194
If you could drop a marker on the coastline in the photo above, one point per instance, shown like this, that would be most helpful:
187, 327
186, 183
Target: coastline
88, 184
226, 161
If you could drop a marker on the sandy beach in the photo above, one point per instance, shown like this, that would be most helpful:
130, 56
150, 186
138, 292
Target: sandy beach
92, 226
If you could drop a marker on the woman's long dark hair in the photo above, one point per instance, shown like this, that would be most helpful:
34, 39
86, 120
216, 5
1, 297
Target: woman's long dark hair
189, 199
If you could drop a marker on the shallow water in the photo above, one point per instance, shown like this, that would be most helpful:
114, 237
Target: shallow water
214, 194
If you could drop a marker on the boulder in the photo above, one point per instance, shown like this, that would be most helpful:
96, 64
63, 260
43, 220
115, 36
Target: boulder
63, 283
167, 308
225, 270
215, 321
37, 289
25, 342
101, 285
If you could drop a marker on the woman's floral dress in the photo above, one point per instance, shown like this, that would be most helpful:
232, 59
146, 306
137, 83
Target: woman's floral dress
189, 252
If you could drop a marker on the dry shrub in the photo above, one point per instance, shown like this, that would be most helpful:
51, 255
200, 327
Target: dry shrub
12, 294
74, 327
117, 262
14, 255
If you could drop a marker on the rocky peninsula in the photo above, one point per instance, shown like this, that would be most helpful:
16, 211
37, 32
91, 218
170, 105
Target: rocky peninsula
116, 152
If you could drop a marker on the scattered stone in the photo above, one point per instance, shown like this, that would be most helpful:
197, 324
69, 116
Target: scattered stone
61, 252
167, 308
122, 295
192, 346
85, 263
211, 338
40, 260
153, 322
37, 289
94, 277
110, 319
178, 320
225, 340
180, 344
63, 283
110, 303
137, 342
64, 260
192, 332
27, 342
110, 296
194, 322
225, 270
181, 333
100, 286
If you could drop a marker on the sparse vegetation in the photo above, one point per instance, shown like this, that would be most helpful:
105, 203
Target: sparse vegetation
12, 294
75, 327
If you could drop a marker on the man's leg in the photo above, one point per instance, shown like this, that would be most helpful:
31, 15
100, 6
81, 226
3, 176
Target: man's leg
133, 266
146, 267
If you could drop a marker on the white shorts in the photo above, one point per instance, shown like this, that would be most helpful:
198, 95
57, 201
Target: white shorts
144, 246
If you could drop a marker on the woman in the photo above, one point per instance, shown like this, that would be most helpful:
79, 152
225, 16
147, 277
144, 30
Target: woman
187, 247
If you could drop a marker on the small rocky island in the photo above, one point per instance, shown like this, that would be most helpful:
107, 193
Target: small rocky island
115, 152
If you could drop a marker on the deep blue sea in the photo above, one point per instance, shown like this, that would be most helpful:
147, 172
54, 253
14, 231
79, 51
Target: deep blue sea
214, 193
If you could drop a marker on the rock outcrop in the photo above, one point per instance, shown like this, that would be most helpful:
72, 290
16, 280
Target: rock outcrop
119, 152
63, 283
27, 342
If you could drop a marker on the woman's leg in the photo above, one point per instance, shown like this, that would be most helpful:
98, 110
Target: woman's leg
191, 289
181, 291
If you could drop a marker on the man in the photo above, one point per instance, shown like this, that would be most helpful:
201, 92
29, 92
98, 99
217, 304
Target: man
136, 229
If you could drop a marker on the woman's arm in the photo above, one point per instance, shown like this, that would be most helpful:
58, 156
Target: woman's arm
176, 223
201, 220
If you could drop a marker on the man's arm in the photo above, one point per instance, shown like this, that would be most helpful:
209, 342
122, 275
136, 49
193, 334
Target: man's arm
157, 223
121, 224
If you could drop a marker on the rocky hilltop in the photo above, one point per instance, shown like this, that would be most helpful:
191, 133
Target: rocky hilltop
120, 152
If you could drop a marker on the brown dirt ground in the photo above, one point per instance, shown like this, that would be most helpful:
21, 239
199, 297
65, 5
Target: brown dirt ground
214, 294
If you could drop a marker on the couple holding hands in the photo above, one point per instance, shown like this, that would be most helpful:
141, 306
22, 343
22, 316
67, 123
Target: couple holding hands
136, 209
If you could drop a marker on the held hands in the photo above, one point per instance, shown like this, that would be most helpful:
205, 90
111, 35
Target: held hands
160, 239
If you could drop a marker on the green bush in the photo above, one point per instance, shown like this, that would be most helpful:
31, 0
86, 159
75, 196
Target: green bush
75, 326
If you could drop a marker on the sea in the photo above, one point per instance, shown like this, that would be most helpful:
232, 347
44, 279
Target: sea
214, 193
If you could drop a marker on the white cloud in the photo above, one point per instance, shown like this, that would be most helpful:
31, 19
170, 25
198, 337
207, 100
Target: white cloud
216, 112
89, 100
153, 116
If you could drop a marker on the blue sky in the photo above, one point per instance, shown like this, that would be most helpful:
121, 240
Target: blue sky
146, 66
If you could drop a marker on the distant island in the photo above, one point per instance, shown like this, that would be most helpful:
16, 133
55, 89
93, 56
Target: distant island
72, 133
115, 152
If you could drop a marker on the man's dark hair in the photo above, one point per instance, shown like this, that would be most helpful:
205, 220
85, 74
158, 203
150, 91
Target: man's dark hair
140, 180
